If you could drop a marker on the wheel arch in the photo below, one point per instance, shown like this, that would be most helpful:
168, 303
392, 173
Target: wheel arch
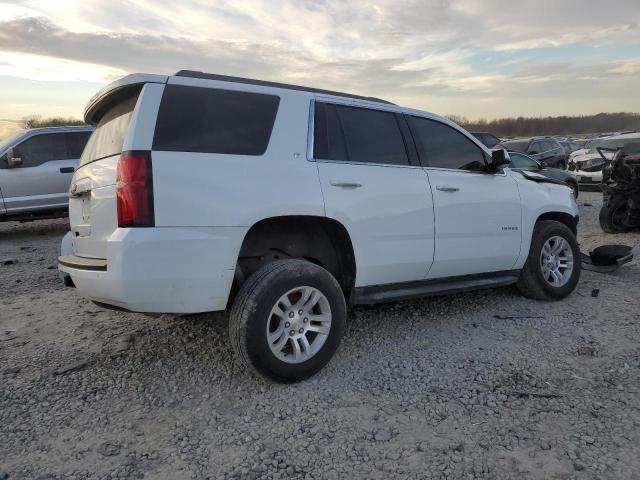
562, 217
321, 240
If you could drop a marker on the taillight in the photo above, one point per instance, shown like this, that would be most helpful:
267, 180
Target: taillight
134, 190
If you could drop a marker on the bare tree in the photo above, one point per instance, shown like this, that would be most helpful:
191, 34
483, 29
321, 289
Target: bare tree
36, 121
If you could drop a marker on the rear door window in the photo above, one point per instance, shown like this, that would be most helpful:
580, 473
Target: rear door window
209, 120
41, 148
358, 135
442, 146
108, 137
76, 142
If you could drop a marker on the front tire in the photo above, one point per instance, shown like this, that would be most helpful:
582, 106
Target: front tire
612, 215
552, 269
287, 320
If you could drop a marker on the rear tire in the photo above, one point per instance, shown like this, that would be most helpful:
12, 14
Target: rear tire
612, 216
271, 337
549, 274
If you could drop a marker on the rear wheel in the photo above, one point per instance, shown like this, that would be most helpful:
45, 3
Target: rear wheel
287, 320
612, 217
552, 269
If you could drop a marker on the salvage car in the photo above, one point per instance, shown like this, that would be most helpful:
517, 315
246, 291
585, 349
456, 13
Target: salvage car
36, 167
541, 149
200, 192
520, 161
587, 168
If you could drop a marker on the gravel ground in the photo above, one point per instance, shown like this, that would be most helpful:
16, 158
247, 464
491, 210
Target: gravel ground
478, 385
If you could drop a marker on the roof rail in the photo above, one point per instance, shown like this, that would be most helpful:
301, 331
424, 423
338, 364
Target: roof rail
263, 83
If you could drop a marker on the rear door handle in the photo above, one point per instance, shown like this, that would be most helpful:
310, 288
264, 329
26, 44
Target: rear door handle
444, 188
339, 183
67, 169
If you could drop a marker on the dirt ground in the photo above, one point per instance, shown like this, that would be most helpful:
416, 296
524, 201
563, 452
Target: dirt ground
478, 385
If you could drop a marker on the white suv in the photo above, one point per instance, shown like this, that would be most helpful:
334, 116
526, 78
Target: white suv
201, 192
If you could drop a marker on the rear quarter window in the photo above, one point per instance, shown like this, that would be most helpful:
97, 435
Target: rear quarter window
208, 120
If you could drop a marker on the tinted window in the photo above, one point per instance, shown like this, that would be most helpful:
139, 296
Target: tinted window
40, 149
208, 120
515, 145
108, 137
536, 147
370, 136
441, 146
328, 141
76, 143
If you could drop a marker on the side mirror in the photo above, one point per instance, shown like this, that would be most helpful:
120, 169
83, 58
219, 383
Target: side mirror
499, 158
543, 164
12, 161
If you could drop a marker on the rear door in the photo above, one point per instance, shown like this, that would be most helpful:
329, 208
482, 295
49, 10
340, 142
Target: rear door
371, 186
92, 206
42, 180
477, 214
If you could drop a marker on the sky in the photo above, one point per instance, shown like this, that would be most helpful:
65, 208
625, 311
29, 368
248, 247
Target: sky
475, 58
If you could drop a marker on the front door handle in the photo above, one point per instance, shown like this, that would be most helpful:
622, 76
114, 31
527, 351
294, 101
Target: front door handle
444, 188
339, 183
67, 169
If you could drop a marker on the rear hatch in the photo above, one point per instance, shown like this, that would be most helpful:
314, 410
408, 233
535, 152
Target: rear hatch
92, 203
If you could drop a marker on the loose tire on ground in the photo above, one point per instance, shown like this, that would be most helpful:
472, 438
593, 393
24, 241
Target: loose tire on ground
532, 282
253, 321
611, 217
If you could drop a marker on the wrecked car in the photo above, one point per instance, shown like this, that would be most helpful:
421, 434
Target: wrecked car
621, 187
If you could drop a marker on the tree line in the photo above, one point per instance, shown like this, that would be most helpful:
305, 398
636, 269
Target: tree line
502, 127
563, 125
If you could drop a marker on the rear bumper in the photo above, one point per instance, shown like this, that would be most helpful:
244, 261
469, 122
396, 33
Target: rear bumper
160, 270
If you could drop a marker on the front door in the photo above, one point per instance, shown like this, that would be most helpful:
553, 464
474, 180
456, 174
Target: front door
477, 214
42, 179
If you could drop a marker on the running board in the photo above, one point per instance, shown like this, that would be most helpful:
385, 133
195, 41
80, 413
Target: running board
427, 288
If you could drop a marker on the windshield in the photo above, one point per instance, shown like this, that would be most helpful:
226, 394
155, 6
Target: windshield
7, 142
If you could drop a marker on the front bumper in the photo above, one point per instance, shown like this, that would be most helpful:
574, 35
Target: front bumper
160, 270
588, 178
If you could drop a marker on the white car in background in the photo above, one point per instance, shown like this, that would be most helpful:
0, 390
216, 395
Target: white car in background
587, 167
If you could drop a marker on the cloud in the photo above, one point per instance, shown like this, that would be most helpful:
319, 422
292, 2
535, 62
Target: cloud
425, 53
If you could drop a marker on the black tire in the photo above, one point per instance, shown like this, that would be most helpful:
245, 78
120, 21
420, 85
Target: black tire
612, 216
574, 186
251, 312
532, 283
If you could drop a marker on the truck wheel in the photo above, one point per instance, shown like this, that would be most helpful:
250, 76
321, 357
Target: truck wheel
552, 269
612, 216
287, 320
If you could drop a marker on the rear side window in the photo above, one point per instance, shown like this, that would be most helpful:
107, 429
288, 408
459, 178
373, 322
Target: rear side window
441, 146
108, 137
358, 135
42, 148
208, 120
76, 143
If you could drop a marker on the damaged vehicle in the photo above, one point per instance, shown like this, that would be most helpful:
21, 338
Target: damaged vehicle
587, 168
621, 186
285, 204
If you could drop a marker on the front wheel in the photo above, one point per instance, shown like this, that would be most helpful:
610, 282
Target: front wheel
287, 320
552, 269
612, 217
